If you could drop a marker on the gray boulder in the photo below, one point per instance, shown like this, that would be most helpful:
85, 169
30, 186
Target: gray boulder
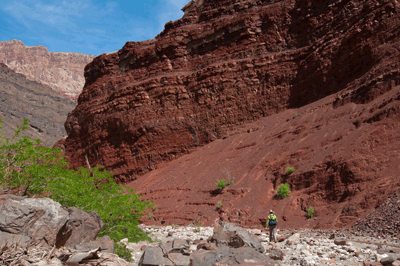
42, 220
340, 241
235, 236
276, 254
39, 218
154, 256
388, 260
80, 227
13, 240
105, 243
229, 256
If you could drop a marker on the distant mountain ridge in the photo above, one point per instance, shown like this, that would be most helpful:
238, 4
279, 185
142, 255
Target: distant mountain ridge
63, 72
22, 98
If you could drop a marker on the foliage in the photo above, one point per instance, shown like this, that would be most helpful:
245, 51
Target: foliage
196, 223
310, 212
221, 184
27, 168
290, 170
122, 251
219, 204
283, 190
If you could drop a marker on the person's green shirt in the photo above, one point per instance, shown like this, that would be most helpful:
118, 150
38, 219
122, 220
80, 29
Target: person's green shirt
271, 217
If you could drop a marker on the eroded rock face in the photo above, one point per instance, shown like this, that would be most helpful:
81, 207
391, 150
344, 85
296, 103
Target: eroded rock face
22, 98
345, 160
226, 63
63, 72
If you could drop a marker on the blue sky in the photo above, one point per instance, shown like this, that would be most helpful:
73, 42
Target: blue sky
87, 26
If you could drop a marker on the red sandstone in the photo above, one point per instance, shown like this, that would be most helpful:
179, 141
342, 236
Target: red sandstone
228, 63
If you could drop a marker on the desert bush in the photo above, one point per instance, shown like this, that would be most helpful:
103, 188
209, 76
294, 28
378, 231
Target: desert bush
27, 168
310, 212
290, 170
283, 190
221, 184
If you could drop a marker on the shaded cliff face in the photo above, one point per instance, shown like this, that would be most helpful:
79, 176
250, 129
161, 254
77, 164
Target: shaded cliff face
346, 163
63, 72
22, 98
226, 63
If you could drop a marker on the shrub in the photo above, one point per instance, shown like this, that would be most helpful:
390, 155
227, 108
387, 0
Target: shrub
219, 204
310, 212
290, 170
283, 190
26, 168
221, 184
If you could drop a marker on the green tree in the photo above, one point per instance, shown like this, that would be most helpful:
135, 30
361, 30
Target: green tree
27, 168
283, 190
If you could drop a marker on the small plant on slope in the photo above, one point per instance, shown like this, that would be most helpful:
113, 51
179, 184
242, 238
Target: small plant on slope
290, 170
283, 190
221, 184
310, 212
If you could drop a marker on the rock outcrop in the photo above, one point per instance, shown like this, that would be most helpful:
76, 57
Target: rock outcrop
345, 160
21, 98
323, 74
63, 72
34, 221
225, 63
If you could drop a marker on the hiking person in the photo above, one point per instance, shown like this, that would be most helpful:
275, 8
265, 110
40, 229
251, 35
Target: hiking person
271, 224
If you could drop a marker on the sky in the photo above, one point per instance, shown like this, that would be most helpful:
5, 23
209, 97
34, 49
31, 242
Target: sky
87, 26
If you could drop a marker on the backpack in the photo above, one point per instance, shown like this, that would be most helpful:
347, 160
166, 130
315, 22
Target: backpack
272, 220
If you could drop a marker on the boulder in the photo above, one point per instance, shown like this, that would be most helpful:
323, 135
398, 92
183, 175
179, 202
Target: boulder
105, 243
293, 239
340, 241
204, 258
388, 260
154, 256
249, 255
81, 227
12, 239
229, 256
235, 236
44, 220
276, 254
39, 218
371, 263
179, 245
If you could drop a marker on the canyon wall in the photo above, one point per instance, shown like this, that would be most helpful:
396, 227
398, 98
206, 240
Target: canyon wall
22, 98
345, 162
223, 64
63, 72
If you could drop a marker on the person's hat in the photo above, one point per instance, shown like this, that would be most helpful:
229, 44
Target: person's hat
270, 211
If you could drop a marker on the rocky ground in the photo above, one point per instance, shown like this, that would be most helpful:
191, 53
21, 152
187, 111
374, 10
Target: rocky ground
300, 247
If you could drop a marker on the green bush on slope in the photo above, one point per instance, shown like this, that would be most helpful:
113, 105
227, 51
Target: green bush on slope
26, 168
283, 190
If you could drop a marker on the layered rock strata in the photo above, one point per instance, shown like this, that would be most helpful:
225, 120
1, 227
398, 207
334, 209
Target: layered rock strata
21, 98
223, 64
345, 163
63, 72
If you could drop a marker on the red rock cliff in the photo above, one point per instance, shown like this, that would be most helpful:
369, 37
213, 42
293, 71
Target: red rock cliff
223, 64
63, 72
